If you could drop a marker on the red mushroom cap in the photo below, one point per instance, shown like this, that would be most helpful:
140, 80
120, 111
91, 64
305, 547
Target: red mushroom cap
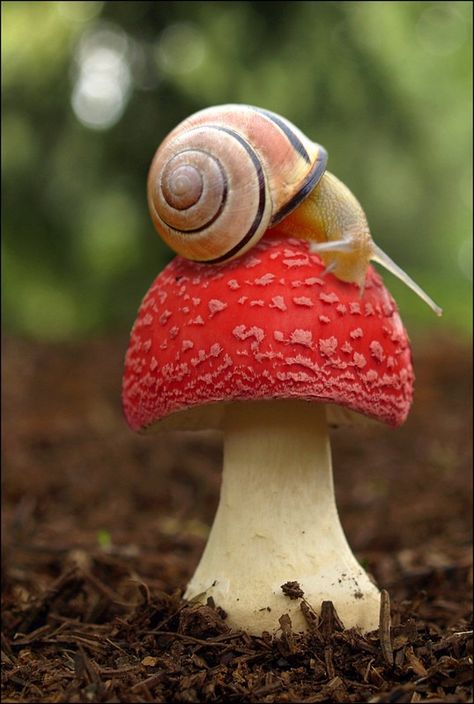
268, 325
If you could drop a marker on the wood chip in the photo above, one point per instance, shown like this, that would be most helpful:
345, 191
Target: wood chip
415, 663
384, 628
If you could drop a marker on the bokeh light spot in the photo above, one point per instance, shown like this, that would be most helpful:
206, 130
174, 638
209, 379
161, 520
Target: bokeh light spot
103, 83
180, 49
441, 29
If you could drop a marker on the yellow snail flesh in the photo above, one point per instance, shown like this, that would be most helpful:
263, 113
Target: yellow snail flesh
227, 174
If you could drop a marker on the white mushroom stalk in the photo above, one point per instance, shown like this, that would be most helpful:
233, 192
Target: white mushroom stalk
277, 521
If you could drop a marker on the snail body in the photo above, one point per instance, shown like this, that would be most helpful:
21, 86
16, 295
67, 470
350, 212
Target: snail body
227, 174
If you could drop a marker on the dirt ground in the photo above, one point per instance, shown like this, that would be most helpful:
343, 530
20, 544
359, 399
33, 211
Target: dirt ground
103, 528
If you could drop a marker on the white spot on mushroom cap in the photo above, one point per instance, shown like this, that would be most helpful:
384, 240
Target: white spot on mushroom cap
302, 361
215, 306
302, 337
265, 280
241, 332
198, 320
290, 263
164, 317
313, 281
328, 346
376, 350
303, 301
278, 302
329, 297
356, 333
359, 360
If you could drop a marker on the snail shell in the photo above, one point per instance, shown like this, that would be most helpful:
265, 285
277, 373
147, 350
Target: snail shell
225, 175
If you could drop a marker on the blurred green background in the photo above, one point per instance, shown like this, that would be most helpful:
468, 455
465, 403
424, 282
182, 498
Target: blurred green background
91, 88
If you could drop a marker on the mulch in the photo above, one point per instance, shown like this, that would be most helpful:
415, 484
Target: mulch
102, 530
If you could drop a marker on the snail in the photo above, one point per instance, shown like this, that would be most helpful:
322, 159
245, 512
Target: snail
227, 174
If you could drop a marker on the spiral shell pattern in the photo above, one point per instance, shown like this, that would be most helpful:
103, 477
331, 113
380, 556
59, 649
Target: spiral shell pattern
225, 175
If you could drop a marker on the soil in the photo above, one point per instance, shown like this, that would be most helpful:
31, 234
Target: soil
102, 529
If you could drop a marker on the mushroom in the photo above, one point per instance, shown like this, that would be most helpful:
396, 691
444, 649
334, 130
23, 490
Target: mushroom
270, 351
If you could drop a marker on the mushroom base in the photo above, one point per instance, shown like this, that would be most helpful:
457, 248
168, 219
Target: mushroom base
277, 521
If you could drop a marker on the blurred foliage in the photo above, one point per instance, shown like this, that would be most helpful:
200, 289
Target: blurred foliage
91, 88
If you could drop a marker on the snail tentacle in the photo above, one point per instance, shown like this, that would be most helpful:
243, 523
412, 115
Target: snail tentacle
380, 257
344, 245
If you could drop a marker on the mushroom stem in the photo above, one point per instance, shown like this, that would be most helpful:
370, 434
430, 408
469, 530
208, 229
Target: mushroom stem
277, 521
